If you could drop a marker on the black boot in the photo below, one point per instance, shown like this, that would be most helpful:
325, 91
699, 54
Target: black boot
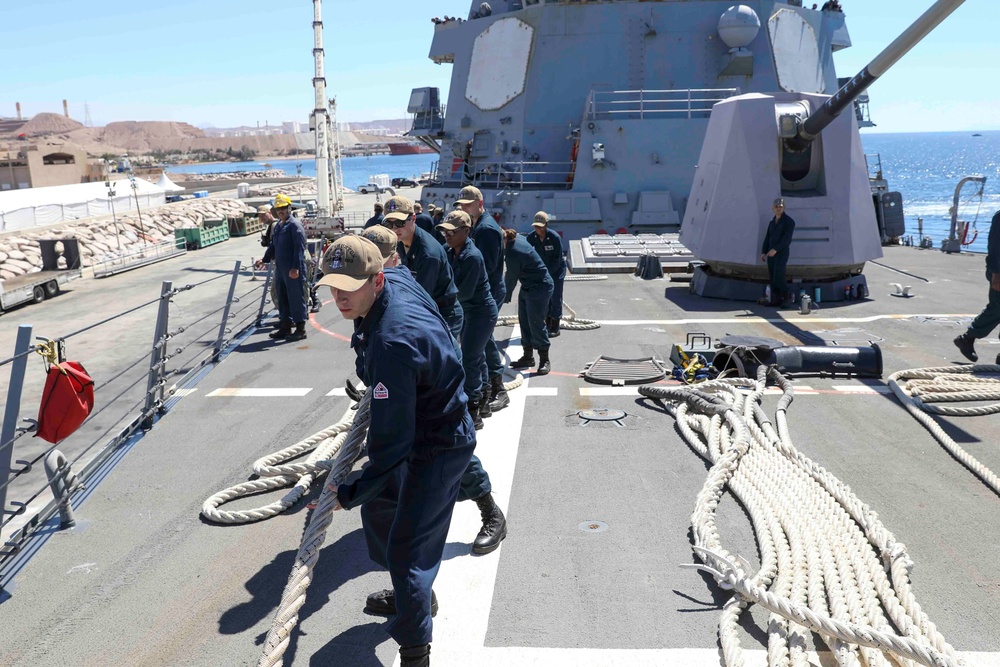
553, 326
543, 362
966, 345
484, 402
299, 333
527, 359
383, 603
494, 526
477, 420
415, 656
500, 398
283, 331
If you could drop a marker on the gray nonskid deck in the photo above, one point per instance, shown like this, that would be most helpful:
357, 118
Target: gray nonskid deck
144, 581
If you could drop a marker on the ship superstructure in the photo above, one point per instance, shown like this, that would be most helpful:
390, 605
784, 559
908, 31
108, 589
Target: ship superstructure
596, 112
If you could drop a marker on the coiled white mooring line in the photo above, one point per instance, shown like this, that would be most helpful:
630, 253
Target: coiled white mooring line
937, 390
273, 474
828, 565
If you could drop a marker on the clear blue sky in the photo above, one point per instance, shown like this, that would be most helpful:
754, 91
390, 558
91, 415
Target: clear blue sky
229, 62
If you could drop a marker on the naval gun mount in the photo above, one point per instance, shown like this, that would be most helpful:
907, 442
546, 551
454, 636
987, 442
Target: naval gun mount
797, 146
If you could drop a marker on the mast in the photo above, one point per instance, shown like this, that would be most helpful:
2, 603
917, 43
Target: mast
338, 176
321, 121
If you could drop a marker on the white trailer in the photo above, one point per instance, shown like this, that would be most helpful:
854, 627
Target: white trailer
33, 287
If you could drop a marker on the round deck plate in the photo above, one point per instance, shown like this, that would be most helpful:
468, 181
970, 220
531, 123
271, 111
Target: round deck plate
601, 414
593, 526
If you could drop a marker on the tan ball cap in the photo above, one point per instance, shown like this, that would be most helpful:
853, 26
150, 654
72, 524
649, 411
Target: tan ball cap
455, 220
469, 194
398, 208
383, 238
541, 219
350, 262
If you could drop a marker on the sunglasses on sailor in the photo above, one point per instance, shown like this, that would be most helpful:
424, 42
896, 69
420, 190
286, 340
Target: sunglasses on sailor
394, 224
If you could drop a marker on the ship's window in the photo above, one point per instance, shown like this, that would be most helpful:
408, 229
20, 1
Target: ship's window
58, 158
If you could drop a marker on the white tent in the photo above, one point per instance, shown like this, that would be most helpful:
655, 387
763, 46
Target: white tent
167, 184
34, 207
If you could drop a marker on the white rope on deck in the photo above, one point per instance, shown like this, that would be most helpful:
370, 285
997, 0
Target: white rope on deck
294, 595
828, 565
570, 321
937, 390
274, 474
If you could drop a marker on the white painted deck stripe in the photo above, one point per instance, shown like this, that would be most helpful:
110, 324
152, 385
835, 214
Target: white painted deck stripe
540, 391
609, 391
795, 320
258, 392
861, 389
180, 393
498, 656
338, 391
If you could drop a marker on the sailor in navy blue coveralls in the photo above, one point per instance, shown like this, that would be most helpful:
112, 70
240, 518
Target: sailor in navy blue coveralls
428, 262
287, 249
420, 438
478, 308
525, 266
989, 318
776, 249
548, 245
488, 237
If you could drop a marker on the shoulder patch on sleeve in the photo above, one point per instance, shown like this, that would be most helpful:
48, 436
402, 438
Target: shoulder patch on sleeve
380, 392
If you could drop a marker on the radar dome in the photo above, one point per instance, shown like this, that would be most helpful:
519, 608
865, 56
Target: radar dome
738, 26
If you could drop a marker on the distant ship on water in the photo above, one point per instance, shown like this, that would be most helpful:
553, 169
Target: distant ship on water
409, 149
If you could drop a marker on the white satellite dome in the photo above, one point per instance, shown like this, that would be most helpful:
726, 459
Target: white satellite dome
738, 26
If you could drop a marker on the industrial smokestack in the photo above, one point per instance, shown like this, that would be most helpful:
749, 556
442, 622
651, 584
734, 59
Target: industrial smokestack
66, 108
19, 111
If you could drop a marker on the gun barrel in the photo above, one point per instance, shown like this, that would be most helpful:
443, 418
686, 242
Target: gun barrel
844, 97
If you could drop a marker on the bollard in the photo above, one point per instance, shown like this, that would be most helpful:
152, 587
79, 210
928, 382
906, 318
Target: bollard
805, 304
63, 483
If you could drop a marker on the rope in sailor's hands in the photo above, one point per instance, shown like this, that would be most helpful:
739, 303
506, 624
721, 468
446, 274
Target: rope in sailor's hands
294, 596
274, 474
925, 390
827, 563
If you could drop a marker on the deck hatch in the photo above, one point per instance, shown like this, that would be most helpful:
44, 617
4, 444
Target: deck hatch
621, 372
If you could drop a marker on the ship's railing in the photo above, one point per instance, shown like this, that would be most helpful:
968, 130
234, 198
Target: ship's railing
526, 175
428, 122
111, 264
648, 104
196, 325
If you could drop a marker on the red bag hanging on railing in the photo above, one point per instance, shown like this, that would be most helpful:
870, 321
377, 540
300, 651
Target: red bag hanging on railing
67, 401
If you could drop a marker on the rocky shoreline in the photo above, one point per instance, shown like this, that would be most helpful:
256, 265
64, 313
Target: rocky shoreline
20, 252
227, 175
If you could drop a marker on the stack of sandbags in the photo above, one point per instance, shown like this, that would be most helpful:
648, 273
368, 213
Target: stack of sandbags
99, 237
299, 188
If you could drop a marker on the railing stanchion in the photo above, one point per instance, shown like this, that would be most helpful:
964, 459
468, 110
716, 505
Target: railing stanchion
156, 357
225, 312
13, 409
267, 291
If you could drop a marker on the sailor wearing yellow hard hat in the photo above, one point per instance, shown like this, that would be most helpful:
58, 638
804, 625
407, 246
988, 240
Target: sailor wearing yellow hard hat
288, 250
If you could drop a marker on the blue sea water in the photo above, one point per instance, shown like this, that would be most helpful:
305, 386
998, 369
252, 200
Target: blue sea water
925, 167
356, 169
